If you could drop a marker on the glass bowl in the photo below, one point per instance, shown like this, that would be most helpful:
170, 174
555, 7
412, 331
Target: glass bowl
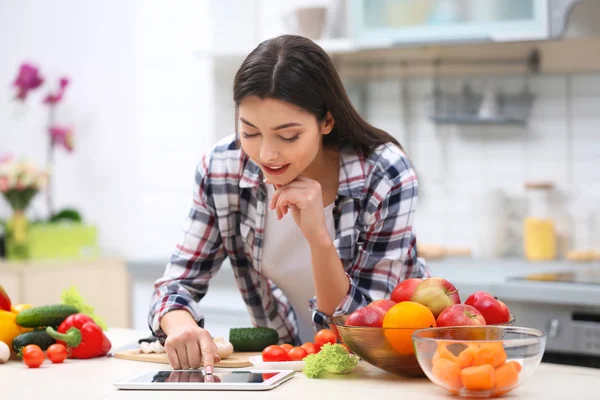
389, 349
479, 361
374, 347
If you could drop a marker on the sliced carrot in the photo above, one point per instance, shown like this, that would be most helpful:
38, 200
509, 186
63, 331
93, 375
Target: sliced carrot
466, 357
490, 353
483, 356
498, 352
515, 365
481, 377
507, 376
448, 372
443, 352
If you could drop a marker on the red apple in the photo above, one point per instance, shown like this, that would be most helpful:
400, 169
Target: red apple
404, 290
493, 310
383, 304
436, 294
366, 316
460, 315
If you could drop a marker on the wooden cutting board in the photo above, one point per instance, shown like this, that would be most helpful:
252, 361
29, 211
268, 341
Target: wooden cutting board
236, 360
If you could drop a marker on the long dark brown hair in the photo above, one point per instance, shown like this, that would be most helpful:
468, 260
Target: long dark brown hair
296, 70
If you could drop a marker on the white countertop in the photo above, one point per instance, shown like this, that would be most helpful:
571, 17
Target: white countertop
93, 379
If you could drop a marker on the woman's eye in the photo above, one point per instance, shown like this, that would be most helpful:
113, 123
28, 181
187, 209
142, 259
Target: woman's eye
292, 139
249, 136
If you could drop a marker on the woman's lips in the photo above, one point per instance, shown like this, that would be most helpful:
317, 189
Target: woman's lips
275, 170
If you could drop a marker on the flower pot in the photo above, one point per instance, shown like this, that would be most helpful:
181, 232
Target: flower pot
16, 238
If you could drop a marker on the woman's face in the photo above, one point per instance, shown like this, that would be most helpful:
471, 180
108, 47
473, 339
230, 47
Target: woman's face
282, 139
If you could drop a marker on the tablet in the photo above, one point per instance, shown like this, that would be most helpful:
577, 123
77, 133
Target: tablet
197, 379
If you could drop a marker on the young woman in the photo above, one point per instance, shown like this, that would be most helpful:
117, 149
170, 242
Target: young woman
313, 207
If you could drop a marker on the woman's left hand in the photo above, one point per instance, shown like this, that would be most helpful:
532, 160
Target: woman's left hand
303, 196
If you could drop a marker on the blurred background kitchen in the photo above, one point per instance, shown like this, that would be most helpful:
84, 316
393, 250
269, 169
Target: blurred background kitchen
497, 102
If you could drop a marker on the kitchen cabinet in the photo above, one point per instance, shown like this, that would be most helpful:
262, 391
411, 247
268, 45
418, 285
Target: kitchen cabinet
386, 23
237, 27
103, 282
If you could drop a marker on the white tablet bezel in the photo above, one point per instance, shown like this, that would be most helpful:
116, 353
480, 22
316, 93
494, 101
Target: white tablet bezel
282, 376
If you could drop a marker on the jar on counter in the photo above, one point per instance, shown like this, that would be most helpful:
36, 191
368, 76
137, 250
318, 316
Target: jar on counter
539, 233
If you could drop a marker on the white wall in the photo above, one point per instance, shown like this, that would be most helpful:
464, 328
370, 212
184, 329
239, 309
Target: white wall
92, 43
141, 101
459, 165
173, 118
138, 101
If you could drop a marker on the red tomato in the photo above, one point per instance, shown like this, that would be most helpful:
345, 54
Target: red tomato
297, 354
324, 336
274, 353
309, 347
33, 356
57, 353
287, 347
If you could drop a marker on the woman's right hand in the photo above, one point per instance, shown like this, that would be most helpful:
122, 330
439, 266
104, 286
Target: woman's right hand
188, 345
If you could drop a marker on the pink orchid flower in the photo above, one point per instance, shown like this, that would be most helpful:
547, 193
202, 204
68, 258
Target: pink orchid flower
3, 184
62, 136
28, 79
5, 158
53, 98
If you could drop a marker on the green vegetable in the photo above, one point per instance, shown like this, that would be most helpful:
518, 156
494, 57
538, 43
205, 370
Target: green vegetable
68, 214
50, 315
38, 337
332, 358
252, 339
72, 297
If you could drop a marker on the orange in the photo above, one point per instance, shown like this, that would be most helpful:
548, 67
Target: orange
409, 316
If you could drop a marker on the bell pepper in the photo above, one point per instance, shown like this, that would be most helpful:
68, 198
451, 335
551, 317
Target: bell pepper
82, 336
17, 308
4, 300
9, 328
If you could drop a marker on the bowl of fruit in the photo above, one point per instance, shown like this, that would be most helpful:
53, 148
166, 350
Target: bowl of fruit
381, 332
479, 361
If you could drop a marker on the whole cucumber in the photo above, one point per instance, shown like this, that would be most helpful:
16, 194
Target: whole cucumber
252, 339
38, 337
41, 316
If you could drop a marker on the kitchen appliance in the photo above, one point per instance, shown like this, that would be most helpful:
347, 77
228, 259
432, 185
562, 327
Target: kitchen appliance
573, 331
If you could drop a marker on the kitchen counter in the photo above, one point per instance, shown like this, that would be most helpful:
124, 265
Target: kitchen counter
498, 277
468, 274
93, 379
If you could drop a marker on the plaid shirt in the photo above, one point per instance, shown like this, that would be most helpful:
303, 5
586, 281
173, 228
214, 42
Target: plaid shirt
373, 217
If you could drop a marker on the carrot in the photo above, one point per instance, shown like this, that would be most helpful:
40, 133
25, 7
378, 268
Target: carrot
443, 352
466, 357
490, 353
483, 356
515, 365
448, 372
507, 377
481, 377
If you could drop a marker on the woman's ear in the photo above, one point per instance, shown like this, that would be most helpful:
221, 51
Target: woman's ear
326, 126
